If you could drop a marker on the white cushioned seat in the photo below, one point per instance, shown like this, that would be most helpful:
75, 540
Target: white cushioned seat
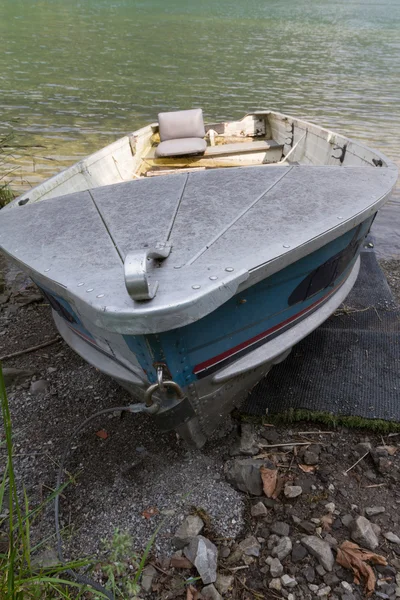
181, 132
181, 147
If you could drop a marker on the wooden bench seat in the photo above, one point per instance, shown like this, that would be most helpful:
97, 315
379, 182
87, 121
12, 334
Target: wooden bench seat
236, 148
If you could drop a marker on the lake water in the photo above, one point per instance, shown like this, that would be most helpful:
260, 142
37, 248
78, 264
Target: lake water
76, 74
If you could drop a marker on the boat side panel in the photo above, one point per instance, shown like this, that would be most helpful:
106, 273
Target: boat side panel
257, 315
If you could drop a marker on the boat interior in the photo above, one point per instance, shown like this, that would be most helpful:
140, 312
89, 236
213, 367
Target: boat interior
180, 142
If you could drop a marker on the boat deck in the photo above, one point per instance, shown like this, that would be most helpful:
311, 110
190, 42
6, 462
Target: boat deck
228, 229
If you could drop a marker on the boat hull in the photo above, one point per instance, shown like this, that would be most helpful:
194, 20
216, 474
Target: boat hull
219, 359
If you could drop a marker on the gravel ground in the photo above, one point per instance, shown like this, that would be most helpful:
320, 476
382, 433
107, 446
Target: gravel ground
137, 478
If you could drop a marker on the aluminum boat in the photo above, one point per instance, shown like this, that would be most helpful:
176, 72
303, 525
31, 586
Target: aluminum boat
185, 260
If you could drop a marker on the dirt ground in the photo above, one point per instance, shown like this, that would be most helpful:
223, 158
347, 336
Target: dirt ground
136, 478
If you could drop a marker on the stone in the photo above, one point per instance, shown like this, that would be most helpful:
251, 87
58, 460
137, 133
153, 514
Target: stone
372, 511
209, 591
275, 584
189, 528
320, 549
362, 532
307, 527
309, 574
324, 591
347, 520
320, 570
276, 567
250, 546
244, 474
148, 575
224, 552
288, 582
247, 440
271, 435
292, 491
330, 507
203, 554
282, 548
347, 587
298, 553
224, 583
362, 448
392, 537
280, 528
259, 510
39, 387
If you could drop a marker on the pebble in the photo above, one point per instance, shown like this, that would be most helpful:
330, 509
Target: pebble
276, 567
189, 528
392, 537
275, 584
362, 532
372, 511
330, 507
250, 546
259, 510
203, 554
292, 491
247, 440
39, 387
321, 550
224, 583
324, 592
347, 520
280, 528
282, 548
309, 574
288, 581
149, 573
298, 553
347, 586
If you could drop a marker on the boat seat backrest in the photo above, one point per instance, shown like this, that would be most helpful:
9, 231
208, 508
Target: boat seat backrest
181, 124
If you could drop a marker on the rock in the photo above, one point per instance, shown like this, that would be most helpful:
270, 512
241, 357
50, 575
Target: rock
361, 532
282, 548
189, 528
280, 528
209, 591
203, 555
307, 527
247, 440
298, 553
347, 587
275, 584
324, 592
39, 387
259, 510
224, 583
276, 567
148, 575
372, 511
309, 574
320, 570
330, 507
250, 546
288, 582
347, 520
224, 552
392, 537
271, 435
292, 491
13, 376
331, 540
244, 474
320, 549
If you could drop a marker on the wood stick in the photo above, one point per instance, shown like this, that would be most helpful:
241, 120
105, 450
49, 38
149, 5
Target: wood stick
356, 463
282, 445
31, 349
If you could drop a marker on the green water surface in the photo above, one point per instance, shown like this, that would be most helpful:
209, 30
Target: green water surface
76, 74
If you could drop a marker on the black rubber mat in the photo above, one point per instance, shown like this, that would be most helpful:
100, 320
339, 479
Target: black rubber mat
348, 366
